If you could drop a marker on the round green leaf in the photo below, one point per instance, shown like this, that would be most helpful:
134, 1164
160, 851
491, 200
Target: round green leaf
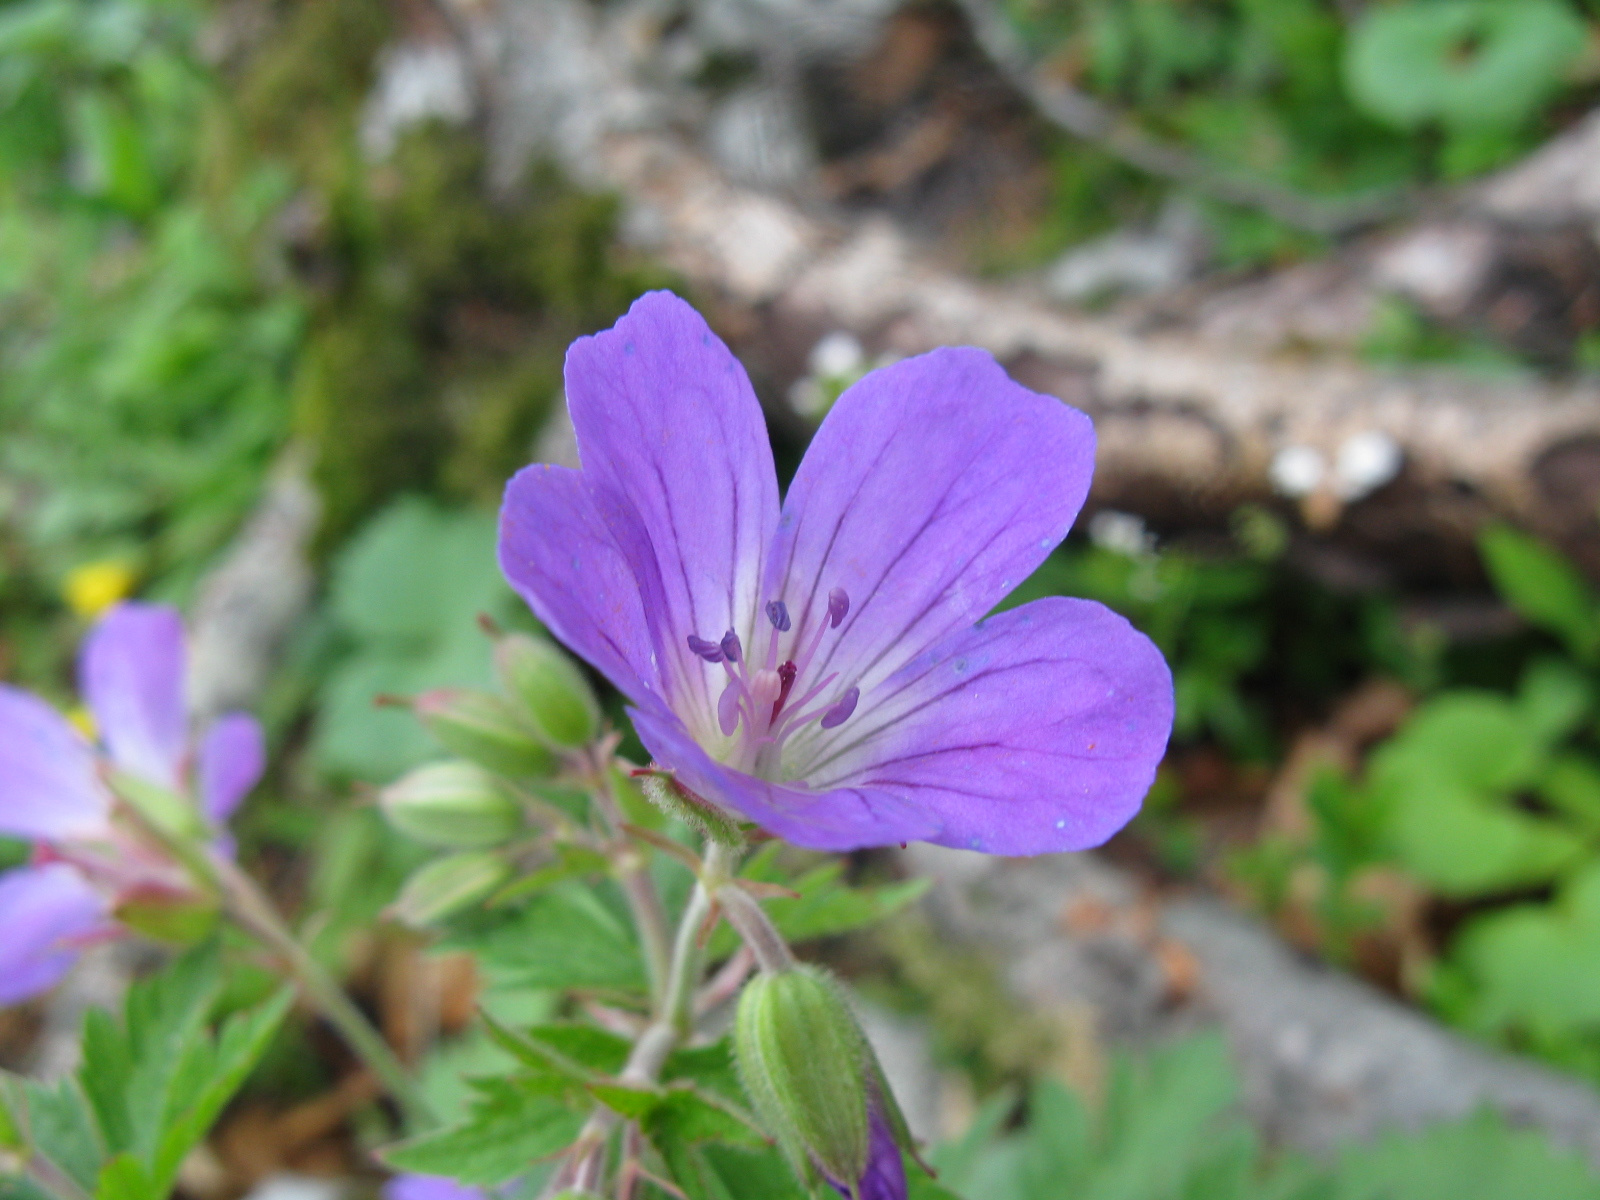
1463, 63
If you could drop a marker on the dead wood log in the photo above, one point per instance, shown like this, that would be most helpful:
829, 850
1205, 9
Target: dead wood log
1192, 420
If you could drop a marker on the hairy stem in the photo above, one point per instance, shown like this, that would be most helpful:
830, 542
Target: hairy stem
254, 913
633, 876
756, 928
674, 1020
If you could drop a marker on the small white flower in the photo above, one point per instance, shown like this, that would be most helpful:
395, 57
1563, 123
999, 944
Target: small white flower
1298, 470
838, 355
1123, 532
1366, 461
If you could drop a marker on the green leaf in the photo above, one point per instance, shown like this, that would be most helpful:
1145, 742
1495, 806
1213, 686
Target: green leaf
564, 938
825, 907
513, 1125
125, 1178
1462, 844
1572, 786
1477, 1157
242, 1041
579, 1055
1544, 587
59, 1125
1464, 63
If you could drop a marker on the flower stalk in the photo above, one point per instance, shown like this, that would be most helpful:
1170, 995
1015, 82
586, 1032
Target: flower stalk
244, 901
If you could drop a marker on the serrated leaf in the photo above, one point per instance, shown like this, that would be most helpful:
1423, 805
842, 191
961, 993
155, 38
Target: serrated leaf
565, 938
512, 1126
59, 1125
578, 1054
571, 862
242, 1041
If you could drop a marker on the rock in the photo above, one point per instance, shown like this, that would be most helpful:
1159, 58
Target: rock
1324, 1057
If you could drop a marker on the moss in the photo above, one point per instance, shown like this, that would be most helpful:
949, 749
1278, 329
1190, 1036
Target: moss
440, 313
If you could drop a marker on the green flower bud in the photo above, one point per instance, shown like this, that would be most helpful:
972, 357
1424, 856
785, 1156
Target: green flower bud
549, 688
455, 805
805, 1063
448, 885
177, 919
485, 729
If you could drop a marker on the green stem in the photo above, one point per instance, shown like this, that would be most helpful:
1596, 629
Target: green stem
254, 913
674, 1020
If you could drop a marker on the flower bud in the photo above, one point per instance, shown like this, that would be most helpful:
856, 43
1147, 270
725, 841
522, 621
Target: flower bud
178, 918
549, 688
455, 805
803, 1061
448, 885
485, 729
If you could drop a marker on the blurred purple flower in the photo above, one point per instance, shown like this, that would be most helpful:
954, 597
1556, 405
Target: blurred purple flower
49, 912
430, 1187
57, 789
826, 670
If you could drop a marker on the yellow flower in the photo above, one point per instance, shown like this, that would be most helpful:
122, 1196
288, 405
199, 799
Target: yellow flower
92, 588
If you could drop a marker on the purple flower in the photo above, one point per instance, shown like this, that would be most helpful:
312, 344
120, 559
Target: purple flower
58, 790
826, 670
885, 1176
430, 1187
49, 911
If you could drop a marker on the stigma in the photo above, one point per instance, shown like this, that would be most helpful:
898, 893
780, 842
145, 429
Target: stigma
763, 705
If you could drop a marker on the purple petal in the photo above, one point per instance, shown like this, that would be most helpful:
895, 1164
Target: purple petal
932, 489
429, 1187
1039, 730
885, 1176
48, 785
232, 758
675, 454
840, 819
560, 557
131, 673
43, 909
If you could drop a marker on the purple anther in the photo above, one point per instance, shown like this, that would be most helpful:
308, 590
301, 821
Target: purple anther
840, 712
710, 651
778, 614
838, 606
731, 649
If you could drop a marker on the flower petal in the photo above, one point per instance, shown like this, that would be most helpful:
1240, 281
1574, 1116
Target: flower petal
232, 758
131, 673
48, 785
45, 907
1039, 730
885, 1176
560, 557
429, 1187
675, 453
933, 488
841, 819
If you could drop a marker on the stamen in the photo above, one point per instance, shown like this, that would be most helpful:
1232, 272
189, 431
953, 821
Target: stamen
728, 707
778, 614
786, 673
838, 606
840, 712
710, 651
731, 649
